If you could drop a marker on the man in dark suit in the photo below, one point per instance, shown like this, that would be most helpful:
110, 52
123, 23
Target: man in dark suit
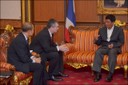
19, 55
110, 39
44, 45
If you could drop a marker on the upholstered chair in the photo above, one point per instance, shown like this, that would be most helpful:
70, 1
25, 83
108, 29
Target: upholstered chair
19, 78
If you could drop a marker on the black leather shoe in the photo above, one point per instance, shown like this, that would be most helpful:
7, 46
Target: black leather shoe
62, 75
55, 78
97, 77
109, 77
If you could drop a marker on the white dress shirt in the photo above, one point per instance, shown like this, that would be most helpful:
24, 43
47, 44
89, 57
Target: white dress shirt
25, 36
109, 33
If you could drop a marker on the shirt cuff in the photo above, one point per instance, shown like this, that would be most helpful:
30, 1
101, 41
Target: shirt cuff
31, 51
32, 57
57, 48
33, 61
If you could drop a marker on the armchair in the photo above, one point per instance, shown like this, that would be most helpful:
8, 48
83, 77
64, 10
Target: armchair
19, 78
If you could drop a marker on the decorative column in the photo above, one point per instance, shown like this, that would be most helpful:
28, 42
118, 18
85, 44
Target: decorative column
26, 10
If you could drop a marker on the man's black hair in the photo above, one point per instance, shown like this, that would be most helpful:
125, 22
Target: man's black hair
111, 17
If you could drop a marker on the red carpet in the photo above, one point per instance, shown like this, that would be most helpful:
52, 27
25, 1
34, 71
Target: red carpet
83, 77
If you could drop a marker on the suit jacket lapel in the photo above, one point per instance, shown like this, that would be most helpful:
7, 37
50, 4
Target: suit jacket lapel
48, 36
105, 33
27, 44
113, 33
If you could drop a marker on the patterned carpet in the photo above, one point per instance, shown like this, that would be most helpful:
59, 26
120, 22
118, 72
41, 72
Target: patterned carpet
83, 77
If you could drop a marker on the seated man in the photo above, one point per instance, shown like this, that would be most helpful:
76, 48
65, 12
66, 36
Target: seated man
19, 56
111, 38
45, 46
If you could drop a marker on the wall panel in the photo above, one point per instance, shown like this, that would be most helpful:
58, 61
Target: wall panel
86, 11
46, 9
14, 23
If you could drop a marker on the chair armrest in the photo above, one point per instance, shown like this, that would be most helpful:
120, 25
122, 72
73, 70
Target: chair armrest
71, 48
6, 66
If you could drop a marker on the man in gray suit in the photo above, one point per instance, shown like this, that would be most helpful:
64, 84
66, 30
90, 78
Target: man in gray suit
110, 38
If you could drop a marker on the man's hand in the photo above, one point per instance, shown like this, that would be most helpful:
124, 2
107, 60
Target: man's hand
35, 54
110, 46
63, 48
37, 60
96, 37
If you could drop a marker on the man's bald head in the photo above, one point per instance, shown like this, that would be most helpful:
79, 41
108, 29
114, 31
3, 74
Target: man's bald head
27, 26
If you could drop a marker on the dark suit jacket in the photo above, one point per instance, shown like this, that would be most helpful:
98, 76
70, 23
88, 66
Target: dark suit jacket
117, 38
42, 42
19, 54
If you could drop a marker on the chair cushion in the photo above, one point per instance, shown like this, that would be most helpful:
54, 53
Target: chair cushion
80, 57
85, 57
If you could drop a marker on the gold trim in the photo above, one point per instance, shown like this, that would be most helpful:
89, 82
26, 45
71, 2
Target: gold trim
29, 10
29, 14
125, 71
103, 10
77, 65
26, 81
23, 10
15, 81
105, 67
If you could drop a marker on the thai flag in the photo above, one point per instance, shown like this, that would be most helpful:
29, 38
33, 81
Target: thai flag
70, 19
